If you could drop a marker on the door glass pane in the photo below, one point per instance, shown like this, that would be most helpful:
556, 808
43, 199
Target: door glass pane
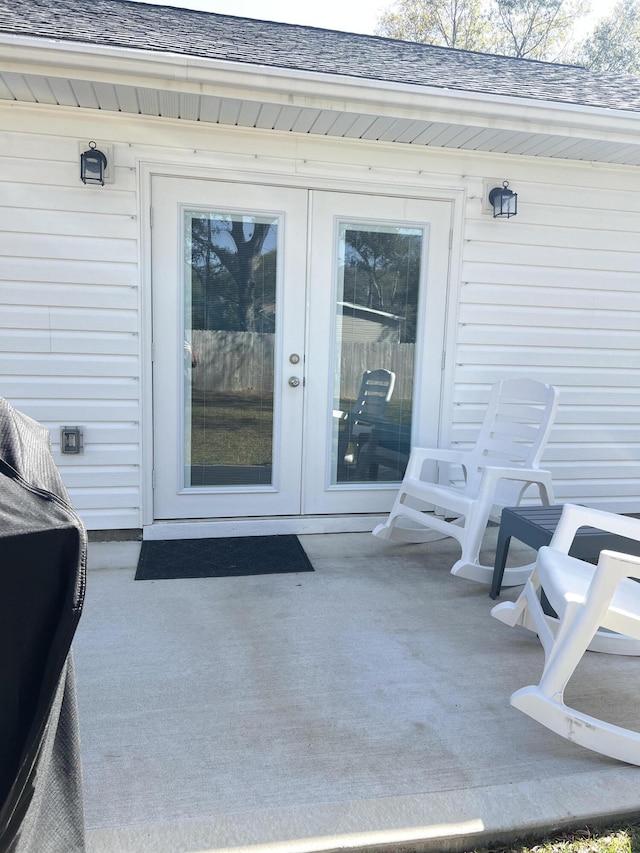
229, 328
376, 316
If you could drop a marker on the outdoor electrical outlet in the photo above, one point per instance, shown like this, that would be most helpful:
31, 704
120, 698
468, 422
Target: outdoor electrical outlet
71, 439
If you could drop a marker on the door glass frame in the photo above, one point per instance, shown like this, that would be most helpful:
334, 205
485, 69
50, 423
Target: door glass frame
341, 223
187, 306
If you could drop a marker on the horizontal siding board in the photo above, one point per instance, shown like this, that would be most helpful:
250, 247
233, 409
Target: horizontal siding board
70, 223
89, 343
24, 341
578, 194
66, 296
68, 197
109, 478
594, 489
554, 359
567, 414
119, 414
102, 456
24, 317
573, 338
587, 454
71, 388
94, 343
581, 378
554, 256
105, 498
583, 282
120, 519
563, 433
62, 247
90, 274
80, 364
583, 239
591, 471
484, 297
99, 320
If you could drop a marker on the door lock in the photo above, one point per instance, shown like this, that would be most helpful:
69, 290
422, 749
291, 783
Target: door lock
294, 381
294, 358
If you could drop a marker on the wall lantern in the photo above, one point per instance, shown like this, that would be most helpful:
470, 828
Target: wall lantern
504, 201
93, 164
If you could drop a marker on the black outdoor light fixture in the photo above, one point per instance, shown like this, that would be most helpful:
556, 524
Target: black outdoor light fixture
93, 164
504, 201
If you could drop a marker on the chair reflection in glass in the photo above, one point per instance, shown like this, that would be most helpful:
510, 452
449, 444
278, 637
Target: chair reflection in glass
368, 410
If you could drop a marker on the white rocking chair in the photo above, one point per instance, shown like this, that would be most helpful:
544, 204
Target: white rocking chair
497, 472
591, 602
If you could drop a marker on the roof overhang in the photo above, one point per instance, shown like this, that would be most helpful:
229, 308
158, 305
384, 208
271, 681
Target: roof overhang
44, 71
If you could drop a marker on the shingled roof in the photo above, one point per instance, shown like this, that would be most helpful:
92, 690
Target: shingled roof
164, 29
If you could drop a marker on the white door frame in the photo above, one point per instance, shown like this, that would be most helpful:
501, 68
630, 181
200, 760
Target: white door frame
396, 184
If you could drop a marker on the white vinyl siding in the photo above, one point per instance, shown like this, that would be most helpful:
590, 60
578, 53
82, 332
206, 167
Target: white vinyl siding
69, 324
553, 294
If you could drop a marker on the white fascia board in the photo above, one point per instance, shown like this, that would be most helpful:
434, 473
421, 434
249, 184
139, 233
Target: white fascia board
319, 90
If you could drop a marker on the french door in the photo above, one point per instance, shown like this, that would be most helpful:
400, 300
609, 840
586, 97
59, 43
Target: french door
274, 310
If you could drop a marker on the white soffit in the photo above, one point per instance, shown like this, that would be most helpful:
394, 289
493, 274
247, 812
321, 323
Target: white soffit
570, 143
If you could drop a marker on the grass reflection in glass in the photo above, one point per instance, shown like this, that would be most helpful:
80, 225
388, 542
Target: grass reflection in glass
232, 431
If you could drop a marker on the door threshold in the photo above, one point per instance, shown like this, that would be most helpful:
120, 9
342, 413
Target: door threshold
217, 528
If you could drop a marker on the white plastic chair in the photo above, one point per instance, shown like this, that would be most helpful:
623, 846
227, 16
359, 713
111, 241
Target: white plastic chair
591, 602
497, 471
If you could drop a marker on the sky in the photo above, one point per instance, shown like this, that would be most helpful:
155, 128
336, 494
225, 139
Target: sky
355, 16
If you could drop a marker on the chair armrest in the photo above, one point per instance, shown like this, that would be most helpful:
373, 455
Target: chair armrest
420, 455
612, 568
574, 517
492, 473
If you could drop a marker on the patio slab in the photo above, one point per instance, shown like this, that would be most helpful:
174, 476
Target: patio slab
363, 706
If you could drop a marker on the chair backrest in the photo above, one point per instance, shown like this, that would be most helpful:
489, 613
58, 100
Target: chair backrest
375, 392
514, 433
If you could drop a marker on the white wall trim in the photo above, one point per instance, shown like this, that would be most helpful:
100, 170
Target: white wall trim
212, 529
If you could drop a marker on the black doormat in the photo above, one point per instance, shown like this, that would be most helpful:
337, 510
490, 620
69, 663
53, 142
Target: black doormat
233, 556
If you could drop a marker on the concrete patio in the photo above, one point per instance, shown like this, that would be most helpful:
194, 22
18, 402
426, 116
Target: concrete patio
364, 706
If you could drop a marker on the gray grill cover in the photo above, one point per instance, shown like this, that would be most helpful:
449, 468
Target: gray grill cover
43, 548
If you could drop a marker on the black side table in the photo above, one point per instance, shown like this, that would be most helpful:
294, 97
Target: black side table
535, 525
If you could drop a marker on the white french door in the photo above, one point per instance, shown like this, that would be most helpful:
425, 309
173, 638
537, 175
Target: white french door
270, 305
228, 276
377, 294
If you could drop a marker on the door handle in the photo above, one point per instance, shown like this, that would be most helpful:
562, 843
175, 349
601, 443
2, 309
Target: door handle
294, 381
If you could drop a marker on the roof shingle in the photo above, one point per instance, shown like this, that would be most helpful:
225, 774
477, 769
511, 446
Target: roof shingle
164, 29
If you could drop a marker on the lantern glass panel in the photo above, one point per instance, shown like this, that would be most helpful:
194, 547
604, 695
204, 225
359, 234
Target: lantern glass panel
92, 167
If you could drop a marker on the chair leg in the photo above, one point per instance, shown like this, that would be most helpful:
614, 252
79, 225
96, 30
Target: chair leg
545, 702
590, 732
527, 612
469, 566
415, 531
